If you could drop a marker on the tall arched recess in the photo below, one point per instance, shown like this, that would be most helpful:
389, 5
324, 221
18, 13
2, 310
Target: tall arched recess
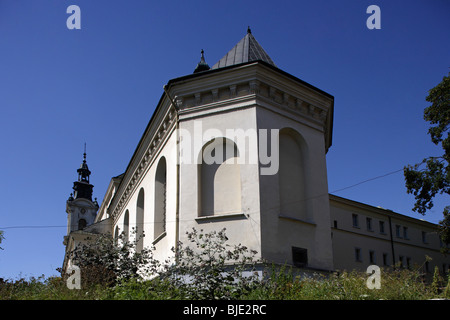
160, 198
140, 220
291, 174
126, 225
219, 178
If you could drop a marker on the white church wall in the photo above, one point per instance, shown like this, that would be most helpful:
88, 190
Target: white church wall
282, 231
242, 224
147, 184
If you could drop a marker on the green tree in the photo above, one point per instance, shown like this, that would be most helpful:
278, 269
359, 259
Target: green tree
432, 176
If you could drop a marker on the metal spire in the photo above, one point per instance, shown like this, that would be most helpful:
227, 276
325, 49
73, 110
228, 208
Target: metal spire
202, 65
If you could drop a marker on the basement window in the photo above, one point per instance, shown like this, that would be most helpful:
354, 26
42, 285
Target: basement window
300, 257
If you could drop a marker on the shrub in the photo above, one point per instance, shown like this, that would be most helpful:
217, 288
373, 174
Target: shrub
104, 260
211, 269
206, 268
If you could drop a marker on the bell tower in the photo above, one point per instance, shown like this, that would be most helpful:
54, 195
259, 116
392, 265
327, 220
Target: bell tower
82, 188
81, 210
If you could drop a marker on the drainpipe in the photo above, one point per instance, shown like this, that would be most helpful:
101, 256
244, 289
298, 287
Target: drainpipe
392, 242
177, 199
177, 215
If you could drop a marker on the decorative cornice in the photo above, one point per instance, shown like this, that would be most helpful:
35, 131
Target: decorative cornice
292, 103
131, 181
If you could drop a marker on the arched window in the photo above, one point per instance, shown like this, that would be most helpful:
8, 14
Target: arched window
81, 224
140, 221
219, 178
126, 225
160, 198
291, 175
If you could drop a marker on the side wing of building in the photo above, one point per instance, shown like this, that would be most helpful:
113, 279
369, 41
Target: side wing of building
364, 235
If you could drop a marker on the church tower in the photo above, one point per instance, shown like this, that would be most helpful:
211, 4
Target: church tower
80, 208
246, 104
240, 145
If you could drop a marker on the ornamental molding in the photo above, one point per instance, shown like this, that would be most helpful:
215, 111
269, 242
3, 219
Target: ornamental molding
295, 103
136, 172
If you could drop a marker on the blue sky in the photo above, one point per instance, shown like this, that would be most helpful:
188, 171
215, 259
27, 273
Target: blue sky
60, 88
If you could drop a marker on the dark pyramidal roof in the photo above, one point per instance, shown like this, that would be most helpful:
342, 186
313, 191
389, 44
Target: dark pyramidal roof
246, 50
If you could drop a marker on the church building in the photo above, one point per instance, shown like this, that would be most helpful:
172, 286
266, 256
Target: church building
242, 145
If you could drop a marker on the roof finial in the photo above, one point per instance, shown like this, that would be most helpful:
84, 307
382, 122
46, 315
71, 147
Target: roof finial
84, 154
202, 65
203, 55
249, 30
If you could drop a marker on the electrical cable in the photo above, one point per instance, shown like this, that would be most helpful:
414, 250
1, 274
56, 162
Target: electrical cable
338, 190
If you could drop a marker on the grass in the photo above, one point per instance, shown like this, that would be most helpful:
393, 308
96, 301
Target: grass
395, 285
278, 285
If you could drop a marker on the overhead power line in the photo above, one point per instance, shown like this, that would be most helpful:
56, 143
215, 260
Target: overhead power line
31, 227
334, 191
371, 179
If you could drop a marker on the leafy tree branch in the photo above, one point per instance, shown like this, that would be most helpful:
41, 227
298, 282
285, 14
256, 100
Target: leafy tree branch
431, 177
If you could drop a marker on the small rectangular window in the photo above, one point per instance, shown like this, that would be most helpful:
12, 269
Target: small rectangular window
355, 220
382, 227
372, 257
385, 259
427, 266
358, 255
299, 257
424, 237
405, 232
335, 224
369, 224
397, 231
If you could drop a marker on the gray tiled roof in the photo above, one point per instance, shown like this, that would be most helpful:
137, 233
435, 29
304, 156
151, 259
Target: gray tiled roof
246, 50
